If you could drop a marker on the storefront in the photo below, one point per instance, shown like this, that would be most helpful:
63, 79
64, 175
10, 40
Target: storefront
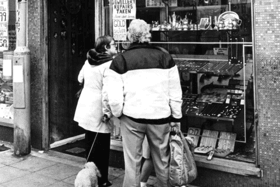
7, 46
227, 52
213, 47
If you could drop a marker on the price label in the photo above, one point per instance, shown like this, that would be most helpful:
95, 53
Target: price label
228, 99
4, 20
3, 16
119, 29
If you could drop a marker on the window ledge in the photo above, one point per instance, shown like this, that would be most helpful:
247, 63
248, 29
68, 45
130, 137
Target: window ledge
225, 165
7, 122
230, 166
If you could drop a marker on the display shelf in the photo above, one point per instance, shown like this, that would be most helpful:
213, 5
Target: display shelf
197, 30
230, 166
216, 118
205, 43
186, 8
197, 58
199, 7
214, 68
211, 118
221, 68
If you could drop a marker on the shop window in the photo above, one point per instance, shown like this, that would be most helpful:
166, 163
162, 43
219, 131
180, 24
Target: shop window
7, 46
211, 43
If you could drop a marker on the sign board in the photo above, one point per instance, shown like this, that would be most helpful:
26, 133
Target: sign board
194, 134
119, 29
4, 21
124, 9
12, 40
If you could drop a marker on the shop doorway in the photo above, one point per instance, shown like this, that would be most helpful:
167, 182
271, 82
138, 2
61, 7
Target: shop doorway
71, 35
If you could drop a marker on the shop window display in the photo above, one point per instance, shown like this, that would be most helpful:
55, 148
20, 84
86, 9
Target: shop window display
7, 46
6, 87
211, 43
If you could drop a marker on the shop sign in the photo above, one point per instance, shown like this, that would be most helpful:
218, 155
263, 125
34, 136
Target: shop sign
119, 29
124, 9
4, 20
12, 40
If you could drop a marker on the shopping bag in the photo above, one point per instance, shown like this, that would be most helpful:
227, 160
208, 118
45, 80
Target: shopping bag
182, 166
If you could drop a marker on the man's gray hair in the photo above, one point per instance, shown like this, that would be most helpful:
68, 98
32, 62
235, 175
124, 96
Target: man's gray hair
139, 31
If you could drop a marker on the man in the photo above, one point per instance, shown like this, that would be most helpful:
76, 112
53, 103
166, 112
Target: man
143, 88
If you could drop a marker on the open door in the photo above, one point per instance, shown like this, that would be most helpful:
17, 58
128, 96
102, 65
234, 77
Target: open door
71, 35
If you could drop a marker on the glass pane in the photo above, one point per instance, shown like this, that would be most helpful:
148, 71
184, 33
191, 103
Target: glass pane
211, 43
7, 45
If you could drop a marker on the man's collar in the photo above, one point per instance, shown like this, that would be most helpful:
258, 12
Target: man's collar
139, 45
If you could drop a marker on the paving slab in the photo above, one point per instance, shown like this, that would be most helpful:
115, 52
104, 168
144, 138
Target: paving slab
32, 164
40, 169
59, 171
70, 180
32, 180
8, 173
61, 184
115, 172
7, 158
117, 182
2, 165
60, 158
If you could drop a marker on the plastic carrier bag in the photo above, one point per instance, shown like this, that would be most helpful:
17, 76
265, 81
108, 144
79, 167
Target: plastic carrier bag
182, 166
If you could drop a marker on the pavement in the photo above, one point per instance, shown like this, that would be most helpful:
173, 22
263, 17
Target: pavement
51, 168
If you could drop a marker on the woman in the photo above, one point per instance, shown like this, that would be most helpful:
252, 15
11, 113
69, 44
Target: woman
89, 113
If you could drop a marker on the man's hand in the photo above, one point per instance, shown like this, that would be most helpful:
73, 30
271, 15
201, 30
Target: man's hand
175, 126
191, 143
105, 118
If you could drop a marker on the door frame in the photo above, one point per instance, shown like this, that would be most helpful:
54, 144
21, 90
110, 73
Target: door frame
100, 30
45, 79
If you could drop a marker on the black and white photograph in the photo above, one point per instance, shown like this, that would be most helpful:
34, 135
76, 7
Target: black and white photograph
139, 93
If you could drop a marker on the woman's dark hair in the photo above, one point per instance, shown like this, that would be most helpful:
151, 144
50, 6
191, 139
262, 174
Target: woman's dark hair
101, 42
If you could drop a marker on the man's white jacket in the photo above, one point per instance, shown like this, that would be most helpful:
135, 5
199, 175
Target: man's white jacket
143, 83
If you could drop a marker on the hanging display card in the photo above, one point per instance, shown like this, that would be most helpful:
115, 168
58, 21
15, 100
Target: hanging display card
208, 141
124, 9
12, 40
4, 20
7, 67
119, 29
194, 134
227, 141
